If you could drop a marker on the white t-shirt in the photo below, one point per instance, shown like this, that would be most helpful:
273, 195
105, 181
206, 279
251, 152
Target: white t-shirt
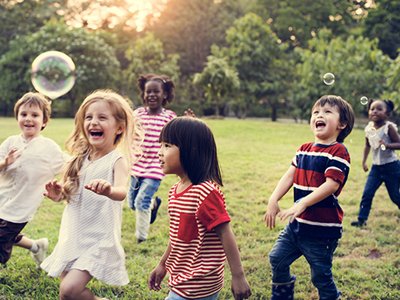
22, 182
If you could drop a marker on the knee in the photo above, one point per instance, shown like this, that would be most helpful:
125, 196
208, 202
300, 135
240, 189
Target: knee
274, 259
67, 292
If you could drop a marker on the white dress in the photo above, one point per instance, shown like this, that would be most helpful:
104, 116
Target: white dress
90, 232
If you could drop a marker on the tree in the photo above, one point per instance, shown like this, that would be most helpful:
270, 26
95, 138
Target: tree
260, 59
189, 28
298, 21
20, 18
358, 66
218, 79
147, 55
96, 64
383, 23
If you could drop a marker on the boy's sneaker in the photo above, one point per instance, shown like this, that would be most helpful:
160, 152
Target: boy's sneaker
359, 223
157, 203
40, 255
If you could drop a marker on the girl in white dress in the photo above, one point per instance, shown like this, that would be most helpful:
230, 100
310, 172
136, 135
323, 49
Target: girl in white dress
94, 185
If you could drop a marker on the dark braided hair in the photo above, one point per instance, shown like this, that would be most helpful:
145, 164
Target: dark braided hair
167, 85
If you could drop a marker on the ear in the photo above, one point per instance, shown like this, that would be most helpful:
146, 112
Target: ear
119, 130
342, 126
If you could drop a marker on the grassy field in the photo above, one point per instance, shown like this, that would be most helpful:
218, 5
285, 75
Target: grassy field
253, 155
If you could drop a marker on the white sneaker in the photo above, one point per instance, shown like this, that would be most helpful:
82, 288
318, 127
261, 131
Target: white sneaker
40, 255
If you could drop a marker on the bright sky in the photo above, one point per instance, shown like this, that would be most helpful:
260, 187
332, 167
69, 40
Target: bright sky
141, 8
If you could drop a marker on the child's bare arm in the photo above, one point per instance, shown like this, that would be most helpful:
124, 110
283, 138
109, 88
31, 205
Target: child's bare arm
240, 287
117, 191
324, 190
394, 139
159, 272
283, 186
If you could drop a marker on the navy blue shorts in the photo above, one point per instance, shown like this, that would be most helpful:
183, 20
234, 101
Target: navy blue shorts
9, 235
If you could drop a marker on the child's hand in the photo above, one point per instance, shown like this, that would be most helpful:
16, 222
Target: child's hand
99, 186
270, 214
53, 191
365, 167
156, 276
240, 288
12, 156
293, 212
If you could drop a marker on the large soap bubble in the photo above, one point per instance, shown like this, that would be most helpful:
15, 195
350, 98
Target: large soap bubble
53, 74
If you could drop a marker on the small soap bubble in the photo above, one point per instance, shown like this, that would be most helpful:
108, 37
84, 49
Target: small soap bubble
328, 78
53, 74
364, 100
383, 147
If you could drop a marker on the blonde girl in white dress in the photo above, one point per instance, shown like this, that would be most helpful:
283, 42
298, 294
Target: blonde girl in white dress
94, 185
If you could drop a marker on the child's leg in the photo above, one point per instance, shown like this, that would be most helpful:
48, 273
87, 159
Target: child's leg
38, 247
392, 181
147, 189
133, 190
283, 254
9, 235
374, 180
319, 254
73, 285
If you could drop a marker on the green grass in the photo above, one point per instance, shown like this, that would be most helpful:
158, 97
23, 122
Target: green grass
253, 154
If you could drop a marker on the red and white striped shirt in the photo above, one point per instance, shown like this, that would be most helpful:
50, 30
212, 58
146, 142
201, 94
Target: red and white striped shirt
147, 163
196, 261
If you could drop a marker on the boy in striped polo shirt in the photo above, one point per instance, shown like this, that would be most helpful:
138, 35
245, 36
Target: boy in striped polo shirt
318, 173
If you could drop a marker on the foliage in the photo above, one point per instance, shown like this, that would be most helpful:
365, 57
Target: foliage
358, 66
253, 155
383, 23
20, 18
191, 27
96, 64
218, 80
260, 59
298, 21
146, 55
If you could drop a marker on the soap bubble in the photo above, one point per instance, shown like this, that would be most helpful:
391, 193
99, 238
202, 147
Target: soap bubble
53, 74
383, 147
364, 100
328, 78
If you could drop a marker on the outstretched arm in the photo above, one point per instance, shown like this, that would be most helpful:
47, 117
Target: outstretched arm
240, 287
324, 190
283, 186
117, 191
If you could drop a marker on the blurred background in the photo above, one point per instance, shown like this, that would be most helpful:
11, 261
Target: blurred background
237, 58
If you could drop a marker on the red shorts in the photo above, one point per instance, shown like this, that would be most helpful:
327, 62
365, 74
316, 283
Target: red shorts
9, 235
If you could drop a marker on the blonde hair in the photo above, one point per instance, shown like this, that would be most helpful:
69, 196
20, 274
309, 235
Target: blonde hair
37, 99
78, 144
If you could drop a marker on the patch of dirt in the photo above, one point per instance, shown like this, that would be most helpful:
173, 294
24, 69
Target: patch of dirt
374, 254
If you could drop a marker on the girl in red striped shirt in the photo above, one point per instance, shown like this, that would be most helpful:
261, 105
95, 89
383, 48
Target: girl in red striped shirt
200, 237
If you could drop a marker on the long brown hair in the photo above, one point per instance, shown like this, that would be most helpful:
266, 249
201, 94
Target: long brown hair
78, 144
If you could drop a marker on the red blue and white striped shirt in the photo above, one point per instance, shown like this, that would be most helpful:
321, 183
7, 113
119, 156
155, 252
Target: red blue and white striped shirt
196, 260
147, 163
314, 163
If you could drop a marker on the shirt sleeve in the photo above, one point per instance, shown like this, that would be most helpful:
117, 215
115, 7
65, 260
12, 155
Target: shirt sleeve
212, 211
339, 166
4, 148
